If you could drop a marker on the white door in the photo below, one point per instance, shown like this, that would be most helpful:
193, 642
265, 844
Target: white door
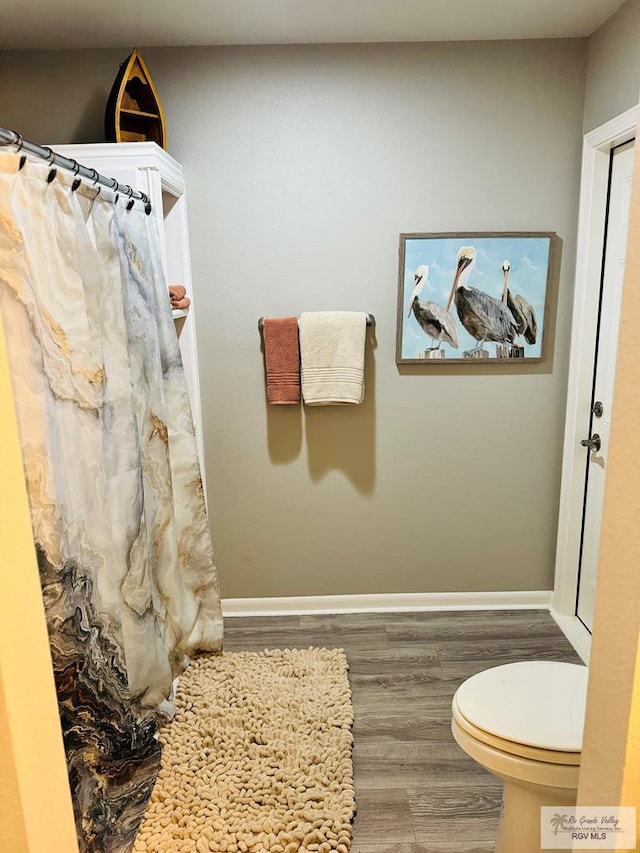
597, 442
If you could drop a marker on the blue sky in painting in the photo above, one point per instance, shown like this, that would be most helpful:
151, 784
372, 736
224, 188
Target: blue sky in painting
529, 258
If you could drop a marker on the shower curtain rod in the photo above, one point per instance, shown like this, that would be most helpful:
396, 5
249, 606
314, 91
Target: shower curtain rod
12, 137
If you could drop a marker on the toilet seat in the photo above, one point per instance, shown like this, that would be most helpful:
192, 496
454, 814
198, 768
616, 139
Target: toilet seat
534, 709
512, 768
512, 747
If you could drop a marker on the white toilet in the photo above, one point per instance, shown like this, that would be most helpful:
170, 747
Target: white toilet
523, 722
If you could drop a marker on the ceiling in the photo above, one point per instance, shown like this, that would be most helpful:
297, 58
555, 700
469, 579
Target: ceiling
119, 23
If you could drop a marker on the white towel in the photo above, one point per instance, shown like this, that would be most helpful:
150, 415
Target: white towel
332, 356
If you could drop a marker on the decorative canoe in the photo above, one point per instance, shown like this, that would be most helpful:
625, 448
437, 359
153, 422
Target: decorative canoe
134, 112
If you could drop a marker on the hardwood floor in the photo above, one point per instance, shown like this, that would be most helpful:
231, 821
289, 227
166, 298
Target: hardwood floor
416, 791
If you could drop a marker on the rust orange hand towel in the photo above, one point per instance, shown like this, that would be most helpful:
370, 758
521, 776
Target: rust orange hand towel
282, 360
177, 292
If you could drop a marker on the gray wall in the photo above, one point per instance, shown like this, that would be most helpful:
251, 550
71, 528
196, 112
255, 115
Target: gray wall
303, 165
613, 67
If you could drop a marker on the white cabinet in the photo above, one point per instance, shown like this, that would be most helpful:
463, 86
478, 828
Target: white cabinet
145, 167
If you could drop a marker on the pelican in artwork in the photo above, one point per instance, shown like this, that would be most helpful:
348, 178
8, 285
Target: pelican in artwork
523, 311
483, 316
432, 318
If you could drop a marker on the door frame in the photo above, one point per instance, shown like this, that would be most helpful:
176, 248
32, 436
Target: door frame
596, 149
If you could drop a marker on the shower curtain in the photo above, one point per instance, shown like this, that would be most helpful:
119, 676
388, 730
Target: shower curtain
117, 507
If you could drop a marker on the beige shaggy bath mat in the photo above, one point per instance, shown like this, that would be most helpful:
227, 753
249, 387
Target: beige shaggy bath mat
258, 757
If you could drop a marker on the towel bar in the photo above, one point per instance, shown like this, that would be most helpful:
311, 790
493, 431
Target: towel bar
371, 320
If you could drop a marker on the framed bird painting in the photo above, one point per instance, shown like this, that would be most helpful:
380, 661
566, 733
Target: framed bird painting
474, 295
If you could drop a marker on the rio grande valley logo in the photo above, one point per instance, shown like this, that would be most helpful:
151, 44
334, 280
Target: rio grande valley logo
589, 828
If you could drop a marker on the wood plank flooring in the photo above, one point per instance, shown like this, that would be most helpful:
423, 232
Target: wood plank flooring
416, 791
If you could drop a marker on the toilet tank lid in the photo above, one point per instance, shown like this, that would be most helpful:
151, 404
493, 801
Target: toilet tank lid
536, 703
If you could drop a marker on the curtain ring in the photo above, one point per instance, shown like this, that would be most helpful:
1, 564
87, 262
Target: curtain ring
50, 158
129, 191
18, 141
76, 171
147, 208
115, 201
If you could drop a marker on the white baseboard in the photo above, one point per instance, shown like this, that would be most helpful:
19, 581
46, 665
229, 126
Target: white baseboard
575, 632
391, 602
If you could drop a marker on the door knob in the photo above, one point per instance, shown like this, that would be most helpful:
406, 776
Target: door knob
594, 443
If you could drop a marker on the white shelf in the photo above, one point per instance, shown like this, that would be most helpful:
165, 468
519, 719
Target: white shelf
149, 169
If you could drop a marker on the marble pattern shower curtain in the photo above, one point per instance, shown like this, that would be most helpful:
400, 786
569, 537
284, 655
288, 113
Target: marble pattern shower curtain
117, 507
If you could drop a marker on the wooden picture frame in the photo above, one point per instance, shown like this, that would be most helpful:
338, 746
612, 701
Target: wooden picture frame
456, 287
